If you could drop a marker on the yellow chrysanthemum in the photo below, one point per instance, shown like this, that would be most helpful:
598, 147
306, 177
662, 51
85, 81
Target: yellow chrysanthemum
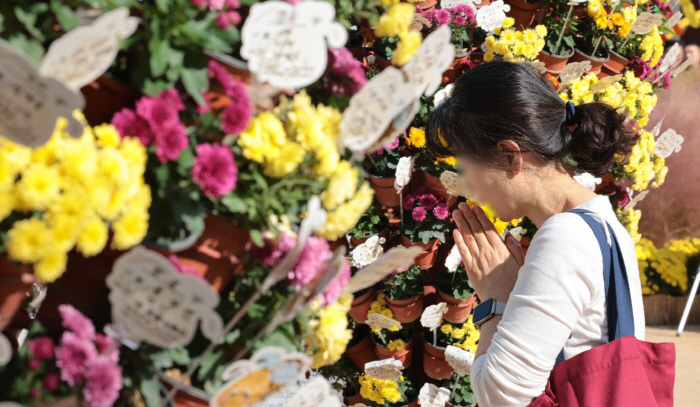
416, 137
27, 240
107, 135
51, 266
446, 329
93, 238
130, 229
290, 156
409, 43
395, 21
39, 186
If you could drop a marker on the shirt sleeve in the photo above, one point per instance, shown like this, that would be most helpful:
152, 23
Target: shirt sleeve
553, 289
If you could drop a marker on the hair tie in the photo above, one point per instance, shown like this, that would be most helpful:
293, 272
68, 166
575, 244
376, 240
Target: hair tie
570, 114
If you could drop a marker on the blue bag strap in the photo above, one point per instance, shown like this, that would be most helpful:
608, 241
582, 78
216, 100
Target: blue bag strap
617, 290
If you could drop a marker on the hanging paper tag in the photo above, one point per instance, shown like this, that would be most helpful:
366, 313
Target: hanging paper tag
404, 169
573, 71
450, 180
369, 251
81, 55
518, 232
536, 65
588, 180
31, 104
5, 350
645, 22
603, 83
432, 396
453, 260
153, 302
419, 23
447, 4
491, 17
379, 321
674, 19
287, 45
432, 316
668, 143
315, 393
443, 94
638, 198
373, 109
268, 371
394, 259
657, 128
433, 57
682, 67
459, 359
670, 58
388, 369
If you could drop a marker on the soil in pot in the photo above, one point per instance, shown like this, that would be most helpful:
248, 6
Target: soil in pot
596, 63
407, 310
426, 259
360, 350
405, 355
523, 13
434, 363
554, 63
361, 304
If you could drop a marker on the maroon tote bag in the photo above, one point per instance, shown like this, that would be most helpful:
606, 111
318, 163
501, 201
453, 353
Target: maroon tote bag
625, 372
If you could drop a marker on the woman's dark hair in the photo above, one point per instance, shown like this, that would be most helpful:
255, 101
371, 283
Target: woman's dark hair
501, 101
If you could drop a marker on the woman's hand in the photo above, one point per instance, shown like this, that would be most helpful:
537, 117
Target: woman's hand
492, 265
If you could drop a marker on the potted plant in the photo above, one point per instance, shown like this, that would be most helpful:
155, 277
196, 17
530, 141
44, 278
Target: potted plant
371, 223
362, 302
464, 336
589, 45
462, 394
386, 393
396, 343
381, 168
458, 19
523, 12
360, 349
343, 376
424, 224
457, 292
512, 45
403, 291
559, 46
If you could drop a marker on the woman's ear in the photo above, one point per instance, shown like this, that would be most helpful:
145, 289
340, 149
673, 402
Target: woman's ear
513, 154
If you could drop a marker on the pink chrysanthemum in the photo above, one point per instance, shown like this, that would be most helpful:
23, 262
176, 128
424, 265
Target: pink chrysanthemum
170, 141
272, 251
348, 73
215, 169
172, 98
392, 144
129, 124
408, 202
441, 211
418, 214
238, 112
218, 72
332, 292
216, 5
428, 201
314, 254
186, 269
41, 347
75, 321
51, 381
72, 356
34, 364
459, 21
158, 112
104, 381
105, 346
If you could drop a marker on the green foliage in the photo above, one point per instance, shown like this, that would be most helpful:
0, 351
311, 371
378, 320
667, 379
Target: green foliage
463, 395
351, 12
456, 284
371, 222
402, 285
383, 163
384, 47
343, 371
554, 21
431, 165
405, 334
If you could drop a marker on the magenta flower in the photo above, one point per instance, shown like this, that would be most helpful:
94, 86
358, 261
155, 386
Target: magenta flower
170, 141
408, 202
129, 124
35, 392
392, 144
418, 214
428, 201
441, 211
186, 269
311, 261
199, 3
51, 381
158, 112
72, 356
332, 292
215, 170
347, 73
272, 251
172, 98
216, 5
34, 364
41, 347
459, 21
439, 16
236, 115
75, 321
218, 72
419, 192
104, 381
106, 346
623, 197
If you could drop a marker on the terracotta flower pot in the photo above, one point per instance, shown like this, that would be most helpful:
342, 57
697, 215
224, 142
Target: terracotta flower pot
406, 310
523, 13
458, 311
554, 63
187, 396
457, 68
216, 255
352, 400
360, 305
434, 186
384, 191
15, 282
362, 352
426, 259
427, 5
405, 355
615, 65
596, 63
434, 363
381, 63
414, 403
104, 97
356, 242
483, 3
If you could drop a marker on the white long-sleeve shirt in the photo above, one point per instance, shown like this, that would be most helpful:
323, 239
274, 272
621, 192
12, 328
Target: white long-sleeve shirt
558, 301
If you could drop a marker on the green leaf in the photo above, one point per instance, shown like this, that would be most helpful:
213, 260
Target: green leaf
256, 237
163, 5
150, 389
153, 86
32, 47
28, 19
194, 76
193, 223
185, 161
208, 362
234, 203
179, 356
64, 15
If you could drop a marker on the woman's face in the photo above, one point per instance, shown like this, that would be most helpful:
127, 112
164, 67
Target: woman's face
488, 184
